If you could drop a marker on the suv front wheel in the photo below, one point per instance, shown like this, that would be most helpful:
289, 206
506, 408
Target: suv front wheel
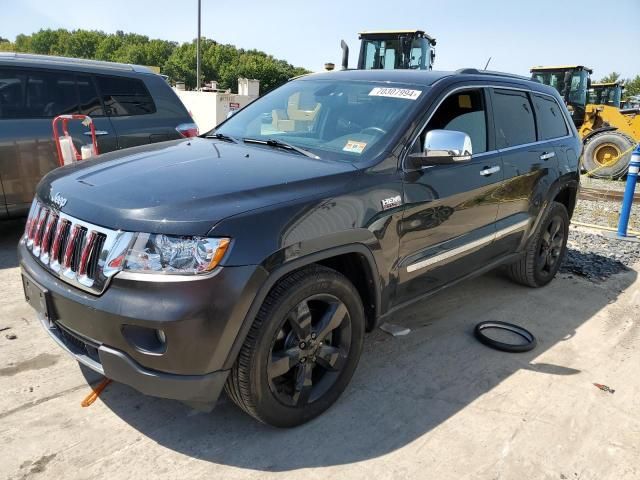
545, 251
302, 349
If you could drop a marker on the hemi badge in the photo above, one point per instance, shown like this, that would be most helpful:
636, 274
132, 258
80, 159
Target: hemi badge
391, 202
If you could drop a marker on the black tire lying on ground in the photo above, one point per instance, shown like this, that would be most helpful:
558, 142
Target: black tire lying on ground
505, 347
612, 143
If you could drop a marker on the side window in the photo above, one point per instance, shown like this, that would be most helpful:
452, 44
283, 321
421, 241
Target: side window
36, 94
513, 116
89, 100
12, 94
465, 112
551, 123
125, 96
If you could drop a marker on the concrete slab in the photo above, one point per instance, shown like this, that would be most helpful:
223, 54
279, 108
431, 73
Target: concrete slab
432, 404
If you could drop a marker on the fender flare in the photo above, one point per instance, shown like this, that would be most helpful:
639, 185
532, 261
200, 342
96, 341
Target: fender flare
288, 267
558, 186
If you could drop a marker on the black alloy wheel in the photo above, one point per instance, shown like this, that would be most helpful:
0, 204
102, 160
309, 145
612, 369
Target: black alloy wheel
310, 350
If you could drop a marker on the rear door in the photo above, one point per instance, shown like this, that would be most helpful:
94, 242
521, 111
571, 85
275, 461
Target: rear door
139, 116
450, 210
29, 100
529, 165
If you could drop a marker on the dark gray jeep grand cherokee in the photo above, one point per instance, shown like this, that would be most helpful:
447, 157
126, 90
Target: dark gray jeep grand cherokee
255, 257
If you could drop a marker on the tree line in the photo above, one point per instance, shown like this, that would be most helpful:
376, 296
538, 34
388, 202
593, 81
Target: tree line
219, 62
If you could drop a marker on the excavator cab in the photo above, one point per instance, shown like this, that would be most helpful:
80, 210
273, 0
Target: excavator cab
573, 83
606, 93
393, 50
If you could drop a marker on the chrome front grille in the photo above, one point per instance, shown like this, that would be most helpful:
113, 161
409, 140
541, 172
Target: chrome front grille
77, 252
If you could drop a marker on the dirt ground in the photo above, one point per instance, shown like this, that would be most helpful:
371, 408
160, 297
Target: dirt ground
433, 404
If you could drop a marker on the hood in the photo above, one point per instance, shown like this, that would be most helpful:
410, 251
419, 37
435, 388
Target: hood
185, 187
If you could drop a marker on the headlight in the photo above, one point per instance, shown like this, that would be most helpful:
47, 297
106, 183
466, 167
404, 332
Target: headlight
153, 253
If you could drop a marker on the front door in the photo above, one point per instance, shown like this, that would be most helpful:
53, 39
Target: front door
450, 210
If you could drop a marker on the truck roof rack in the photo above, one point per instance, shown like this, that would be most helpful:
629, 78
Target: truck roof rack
475, 71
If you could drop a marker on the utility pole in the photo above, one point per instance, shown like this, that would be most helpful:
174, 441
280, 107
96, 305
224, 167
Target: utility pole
198, 50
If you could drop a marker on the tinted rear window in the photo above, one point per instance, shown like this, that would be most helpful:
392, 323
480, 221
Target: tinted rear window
551, 122
514, 121
125, 96
89, 100
34, 94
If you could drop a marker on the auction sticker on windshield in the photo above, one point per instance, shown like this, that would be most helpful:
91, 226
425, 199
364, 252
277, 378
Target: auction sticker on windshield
395, 93
354, 147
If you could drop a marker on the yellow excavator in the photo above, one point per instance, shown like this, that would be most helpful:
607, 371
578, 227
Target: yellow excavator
609, 134
393, 50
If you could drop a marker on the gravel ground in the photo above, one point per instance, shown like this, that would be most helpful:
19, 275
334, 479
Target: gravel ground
597, 257
589, 182
604, 213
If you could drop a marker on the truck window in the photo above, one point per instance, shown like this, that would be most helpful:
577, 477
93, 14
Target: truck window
551, 123
464, 112
514, 121
125, 96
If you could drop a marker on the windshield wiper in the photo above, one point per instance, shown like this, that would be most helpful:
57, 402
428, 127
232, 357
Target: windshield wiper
223, 137
272, 142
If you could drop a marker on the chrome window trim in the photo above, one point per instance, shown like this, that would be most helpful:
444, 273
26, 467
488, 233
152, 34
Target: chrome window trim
468, 246
497, 150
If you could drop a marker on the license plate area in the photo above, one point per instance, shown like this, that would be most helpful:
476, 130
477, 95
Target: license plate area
38, 297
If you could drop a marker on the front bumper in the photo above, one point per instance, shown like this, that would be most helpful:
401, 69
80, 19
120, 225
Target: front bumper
200, 318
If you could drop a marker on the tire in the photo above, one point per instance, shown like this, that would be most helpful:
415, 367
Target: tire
478, 331
302, 349
603, 146
534, 268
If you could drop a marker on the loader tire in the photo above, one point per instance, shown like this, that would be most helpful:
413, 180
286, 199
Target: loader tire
604, 147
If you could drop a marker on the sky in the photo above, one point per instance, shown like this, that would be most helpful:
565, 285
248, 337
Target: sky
515, 34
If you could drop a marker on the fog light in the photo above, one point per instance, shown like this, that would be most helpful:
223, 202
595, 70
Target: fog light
145, 340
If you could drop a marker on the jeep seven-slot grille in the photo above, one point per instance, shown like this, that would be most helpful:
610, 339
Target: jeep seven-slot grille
73, 250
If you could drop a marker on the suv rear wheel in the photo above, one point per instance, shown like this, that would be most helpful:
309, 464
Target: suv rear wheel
546, 250
302, 349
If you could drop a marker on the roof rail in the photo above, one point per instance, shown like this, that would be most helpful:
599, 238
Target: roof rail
51, 59
475, 71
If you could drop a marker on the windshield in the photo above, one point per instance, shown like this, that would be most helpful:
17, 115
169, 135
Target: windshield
572, 85
399, 53
609, 95
337, 120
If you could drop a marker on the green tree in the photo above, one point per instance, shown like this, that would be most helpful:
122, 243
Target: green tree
612, 77
632, 87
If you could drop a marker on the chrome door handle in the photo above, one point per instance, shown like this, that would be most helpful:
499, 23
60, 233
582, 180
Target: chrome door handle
547, 156
98, 133
485, 172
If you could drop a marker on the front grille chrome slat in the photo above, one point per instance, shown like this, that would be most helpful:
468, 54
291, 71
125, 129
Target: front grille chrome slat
73, 250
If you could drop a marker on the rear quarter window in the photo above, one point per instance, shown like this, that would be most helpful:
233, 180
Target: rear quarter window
125, 96
551, 123
513, 118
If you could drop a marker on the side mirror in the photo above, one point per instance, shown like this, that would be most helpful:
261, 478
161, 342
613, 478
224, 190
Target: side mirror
443, 147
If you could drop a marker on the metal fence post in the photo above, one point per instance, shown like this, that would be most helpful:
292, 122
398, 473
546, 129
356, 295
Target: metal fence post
632, 179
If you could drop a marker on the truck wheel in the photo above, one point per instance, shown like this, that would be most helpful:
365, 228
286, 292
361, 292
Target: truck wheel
601, 149
545, 251
302, 349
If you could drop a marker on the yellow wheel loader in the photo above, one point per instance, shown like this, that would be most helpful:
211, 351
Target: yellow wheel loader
609, 134
393, 50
